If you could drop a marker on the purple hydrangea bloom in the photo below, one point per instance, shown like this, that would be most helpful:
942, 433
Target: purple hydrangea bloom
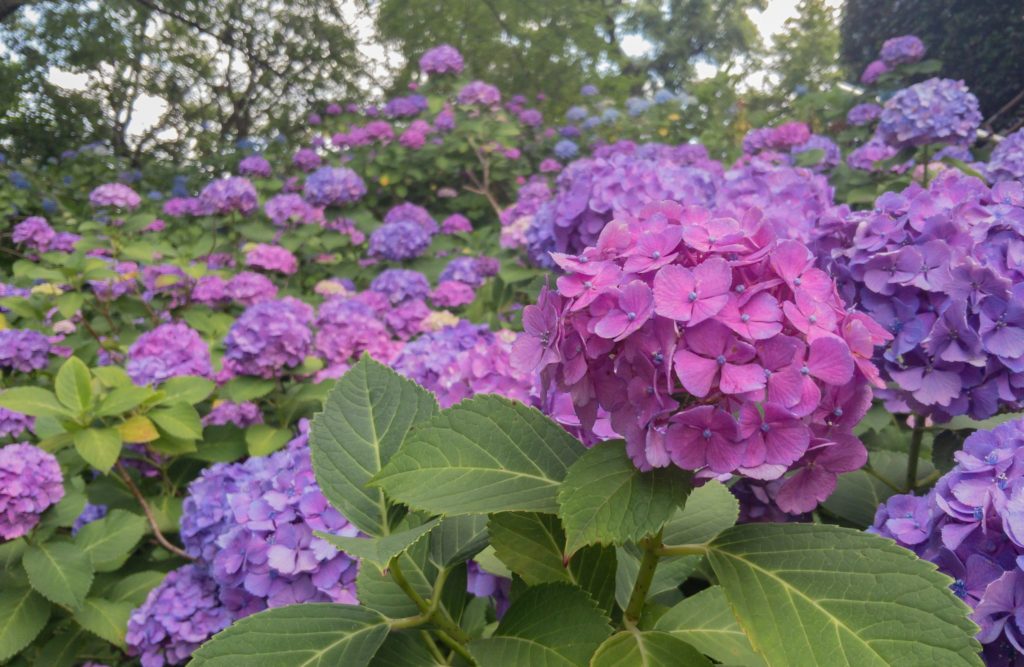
408, 212
23, 350
249, 288
290, 207
269, 338
465, 270
35, 232
830, 155
255, 165
452, 294
13, 424
348, 327
482, 584
228, 195
865, 157
863, 114
902, 50
486, 368
425, 359
241, 415
30, 482
1007, 160
306, 159
116, 195
272, 258
399, 241
873, 72
588, 90
931, 112
442, 59
405, 107
478, 92
456, 223
401, 285
89, 514
333, 186
169, 350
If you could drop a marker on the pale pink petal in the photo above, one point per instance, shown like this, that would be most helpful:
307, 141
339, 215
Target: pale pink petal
830, 361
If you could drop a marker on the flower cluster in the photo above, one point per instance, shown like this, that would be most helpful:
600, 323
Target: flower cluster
115, 195
255, 165
710, 344
272, 258
471, 271
228, 195
782, 137
1007, 160
972, 526
241, 415
936, 111
287, 208
401, 285
167, 351
863, 114
23, 350
34, 232
333, 186
442, 59
30, 482
399, 241
425, 359
902, 50
936, 268
479, 93
14, 424
306, 159
268, 338
346, 328
486, 368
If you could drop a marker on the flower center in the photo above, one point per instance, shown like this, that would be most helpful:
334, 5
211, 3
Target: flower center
765, 428
813, 319
588, 284
655, 255
631, 316
720, 359
692, 296
805, 371
744, 318
798, 281
706, 434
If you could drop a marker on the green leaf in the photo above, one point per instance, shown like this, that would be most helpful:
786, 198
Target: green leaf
112, 376
458, 539
403, 649
33, 401
187, 389
964, 422
559, 617
671, 572
68, 509
647, 649
262, 440
516, 652
74, 385
811, 594
705, 621
179, 420
859, 493
100, 447
709, 510
109, 541
106, 619
69, 303
366, 416
242, 389
23, 614
123, 399
606, 500
380, 550
594, 569
484, 455
62, 649
60, 571
11, 553
307, 635
531, 545
380, 592
135, 587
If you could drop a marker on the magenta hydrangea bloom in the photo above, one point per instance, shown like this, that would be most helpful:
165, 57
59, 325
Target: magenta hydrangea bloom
30, 482
249, 288
442, 59
115, 195
272, 258
169, 350
874, 70
486, 368
425, 359
347, 327
480, 93
34, 232
902, 50
934, 267
782, 137
931, 112
229, 195
23, 350
738, 325
452, 294
255, 165
269, 338
287, 208
455, 224
333, 186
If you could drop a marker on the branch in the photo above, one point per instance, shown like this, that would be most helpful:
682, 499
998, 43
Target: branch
164, 542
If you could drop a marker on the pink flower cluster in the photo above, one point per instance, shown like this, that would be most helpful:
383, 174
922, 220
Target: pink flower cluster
710, 344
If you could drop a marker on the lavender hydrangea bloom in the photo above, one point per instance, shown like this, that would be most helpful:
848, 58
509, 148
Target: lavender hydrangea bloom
399, 241
255, 165
30, 482
249, 288
346, 328
13, 424
35, 232
169, 350
425, 359
830, 154
116, 195
23, 350
306, 159
865, 157
902, 50
228, 195
873, 72
931, 112
481, 583
1007, 160
269, 338
290, 207
272, 258
465, 270
566, 149
241, 415
442, 59
89, 514
401, 285
456, 223
333, 186
405, 107
486, 368
863, 114
408, 212
478, 92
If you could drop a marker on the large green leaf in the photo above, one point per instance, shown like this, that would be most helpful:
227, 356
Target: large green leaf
811, 594
516, 652
366, 416
647, 649
34, 401
105, 618
60, 571
380, 592
487, 454
531, 545
457, 539
109, 541
23, 613
187, 389
74, 385
178, 420
606, 500
135, 587
671, 572
379, 551
306, 635
403, 649
99, 447
263, 440
709, 510
62, 649
705, 621
859, 493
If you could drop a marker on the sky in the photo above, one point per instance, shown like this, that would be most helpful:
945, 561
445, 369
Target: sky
770, 22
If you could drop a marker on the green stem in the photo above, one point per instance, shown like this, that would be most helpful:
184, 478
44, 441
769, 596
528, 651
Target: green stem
403, 583
648, 566
915, 452
448, 631
683, 550
432, 647
457, 647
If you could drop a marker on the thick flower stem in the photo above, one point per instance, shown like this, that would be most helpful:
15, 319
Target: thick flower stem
433, 611
648, 566
915, 452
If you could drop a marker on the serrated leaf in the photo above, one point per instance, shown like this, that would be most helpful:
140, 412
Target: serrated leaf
705, 621
60, 571
109, 541
187, 389
242, 389
123, 399
62, 649
99, 447
33, 401
73, 385
672, 571
262, 440
531, 545
606, 500
112, 376
380, 550
708, 511
487, 454
104, 618
403, 649
138, 429
311, 635
380, 592
23, 614
516, 652
68, 509
594, 569
811, 594
458, 539
178, 420
859, 493
647, 649
135, 587
366, 416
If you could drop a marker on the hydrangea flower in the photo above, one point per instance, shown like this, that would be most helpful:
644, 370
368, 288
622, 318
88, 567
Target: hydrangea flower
408, 212
934, 267
452, 294
306, 159
874, 70
1007, 160
863, 114
249, 288
486, 368
290, 207
242, 415
167, 351
30, 482
566, 149
347, 327
425, 359
269, 338
89, 514
936, 111
255, 165
229, 195
23, 350
272, 258
710, 344
783, 137
115, 195
401, 285
478, 92
35, 232
14, 424
866, 157
405, 107
456, 223
333, 186
830, 154
902, 50
399, 241
442, 59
